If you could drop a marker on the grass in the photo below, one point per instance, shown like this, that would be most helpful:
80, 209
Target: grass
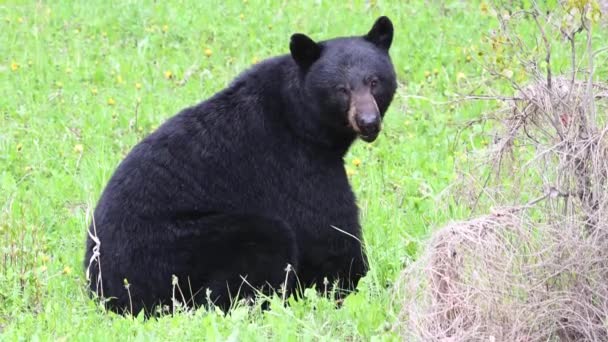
81, 82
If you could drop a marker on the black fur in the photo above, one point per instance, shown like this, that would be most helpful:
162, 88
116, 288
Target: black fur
242, 184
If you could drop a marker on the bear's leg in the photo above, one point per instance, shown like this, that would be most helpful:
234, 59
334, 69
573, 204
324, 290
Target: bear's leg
232, 256
239, 255
338, 272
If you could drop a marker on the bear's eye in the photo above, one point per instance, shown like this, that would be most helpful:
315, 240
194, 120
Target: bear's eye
342, 89
373, 83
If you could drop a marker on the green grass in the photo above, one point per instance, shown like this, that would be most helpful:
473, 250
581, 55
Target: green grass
81, 82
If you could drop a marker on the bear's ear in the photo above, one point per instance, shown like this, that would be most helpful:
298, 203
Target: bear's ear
381, 33
304, 50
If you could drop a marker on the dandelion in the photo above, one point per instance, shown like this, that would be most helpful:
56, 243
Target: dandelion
427, 74
483, 8
67, 270
138, 85
44, 258
461, 75
165, 28
254, 60
350, 172
111, 102
357, 162
435, 71
168, 74
78, 148
94, 91
469, 58
14, 66
119, 80
242, 16
208, 52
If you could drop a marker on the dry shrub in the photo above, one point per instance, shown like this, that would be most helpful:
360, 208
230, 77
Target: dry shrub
503, 277
538, 269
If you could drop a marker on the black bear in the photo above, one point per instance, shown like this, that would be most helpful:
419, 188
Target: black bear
219, 200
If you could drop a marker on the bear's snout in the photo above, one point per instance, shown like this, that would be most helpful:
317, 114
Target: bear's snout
369, 125
364, 116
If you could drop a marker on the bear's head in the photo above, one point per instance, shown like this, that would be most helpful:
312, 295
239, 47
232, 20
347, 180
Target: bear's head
351, 81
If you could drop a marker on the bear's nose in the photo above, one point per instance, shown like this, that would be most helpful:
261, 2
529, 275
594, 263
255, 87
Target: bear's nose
369, 125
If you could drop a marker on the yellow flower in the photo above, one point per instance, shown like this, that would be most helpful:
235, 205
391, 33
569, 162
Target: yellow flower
436, 71
242, 16
14, 66
138, 85
483, 7
67, 270
68, 70
254, 60
111, 101
168, 74
165, 28
208, 52
78, 148
20, 20
59, 84
44, 258
357, 162
427, 74
94, 91
119, 79
350, 172
460, 75
469, 58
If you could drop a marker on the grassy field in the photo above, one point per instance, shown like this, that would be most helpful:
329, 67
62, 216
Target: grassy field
82, 81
